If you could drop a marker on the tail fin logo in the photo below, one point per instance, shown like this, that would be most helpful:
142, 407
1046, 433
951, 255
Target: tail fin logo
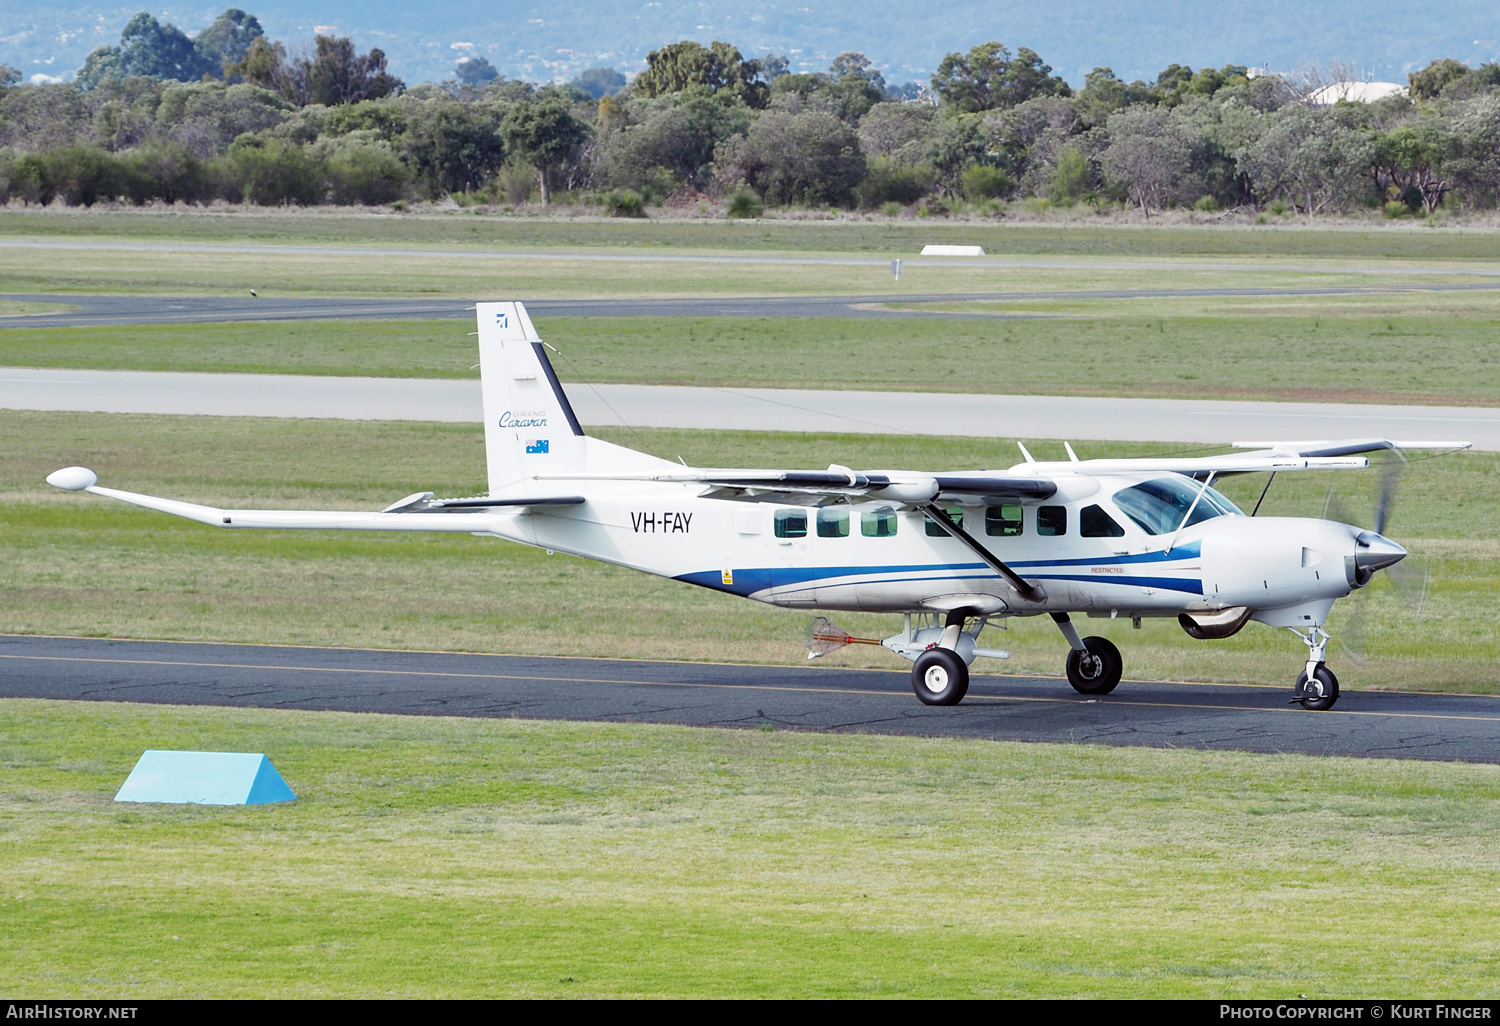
536, 447
502, 320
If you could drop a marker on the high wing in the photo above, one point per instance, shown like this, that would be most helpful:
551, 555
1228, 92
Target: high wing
896, 486
1347, 447
1031, 480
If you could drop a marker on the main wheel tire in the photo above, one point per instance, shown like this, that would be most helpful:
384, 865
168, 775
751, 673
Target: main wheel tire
1322, 692
1098, 672
940, 677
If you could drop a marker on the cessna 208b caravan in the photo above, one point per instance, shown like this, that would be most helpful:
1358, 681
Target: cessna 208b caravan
952, 551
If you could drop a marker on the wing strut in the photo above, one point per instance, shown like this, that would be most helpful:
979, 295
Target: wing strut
942, 519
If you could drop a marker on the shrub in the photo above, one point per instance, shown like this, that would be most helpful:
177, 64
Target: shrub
982, 181
270, 172
744, 203
1206, 204
1073, 177
625, 203
888, 182
891, 208
361, 169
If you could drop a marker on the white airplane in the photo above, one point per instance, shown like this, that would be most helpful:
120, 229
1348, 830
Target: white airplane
951, 551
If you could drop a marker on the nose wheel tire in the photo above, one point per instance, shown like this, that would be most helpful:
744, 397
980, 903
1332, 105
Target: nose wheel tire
1320, 693
940, 677
1098, 671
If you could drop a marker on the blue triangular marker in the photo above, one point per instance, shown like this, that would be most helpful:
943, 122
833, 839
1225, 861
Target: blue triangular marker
269, 786
205, 778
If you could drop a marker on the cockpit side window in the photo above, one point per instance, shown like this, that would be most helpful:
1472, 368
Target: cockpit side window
1157, 507
1093, 522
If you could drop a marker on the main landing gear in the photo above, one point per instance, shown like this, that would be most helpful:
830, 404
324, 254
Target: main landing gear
1094, 664
940, 676
1316, 688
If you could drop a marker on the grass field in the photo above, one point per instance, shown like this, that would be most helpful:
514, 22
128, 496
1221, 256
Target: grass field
1442, 348
81, 565
503, 858
1290, 238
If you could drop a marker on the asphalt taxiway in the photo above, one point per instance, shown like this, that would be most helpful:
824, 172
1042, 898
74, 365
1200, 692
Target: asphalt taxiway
1372, 724
102, 310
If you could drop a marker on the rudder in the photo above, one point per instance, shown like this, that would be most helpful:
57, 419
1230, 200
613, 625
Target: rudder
529, 425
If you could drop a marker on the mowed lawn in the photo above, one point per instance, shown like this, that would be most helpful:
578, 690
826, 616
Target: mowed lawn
1429, 348
1083, 235
80, 564
506, 858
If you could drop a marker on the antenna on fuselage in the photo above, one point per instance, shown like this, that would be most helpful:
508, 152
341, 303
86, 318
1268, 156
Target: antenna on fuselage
1071, 454
1028, 455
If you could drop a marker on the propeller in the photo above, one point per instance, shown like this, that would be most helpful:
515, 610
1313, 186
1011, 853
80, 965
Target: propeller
1410, 577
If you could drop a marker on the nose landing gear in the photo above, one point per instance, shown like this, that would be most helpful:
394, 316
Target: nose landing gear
1316, 688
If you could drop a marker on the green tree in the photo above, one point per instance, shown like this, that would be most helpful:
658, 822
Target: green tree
811, 157
452, 147
228, 39
851, 62
989, 78
720, 67
147, 48
600, 82
544, 133
678, 134
9, 76
1428, 83
1145, 157
475, 71
1312, 156
339, 74
1410, 162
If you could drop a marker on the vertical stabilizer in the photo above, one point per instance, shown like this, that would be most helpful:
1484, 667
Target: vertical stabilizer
529, 427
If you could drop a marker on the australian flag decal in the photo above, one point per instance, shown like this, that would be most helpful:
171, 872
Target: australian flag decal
536, 447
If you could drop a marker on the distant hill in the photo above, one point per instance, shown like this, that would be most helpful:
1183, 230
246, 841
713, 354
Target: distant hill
542, 42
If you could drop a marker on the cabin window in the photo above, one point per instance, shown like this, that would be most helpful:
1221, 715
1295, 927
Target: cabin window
1051, 521
878, 523
1002, 521
955, 514
791, 523
1158, 506
833, 522
1093, 522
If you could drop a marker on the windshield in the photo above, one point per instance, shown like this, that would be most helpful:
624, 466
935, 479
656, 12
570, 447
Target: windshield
1157, 507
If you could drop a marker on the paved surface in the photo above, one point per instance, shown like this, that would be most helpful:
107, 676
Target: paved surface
1204, 716
1210, 422
101, 310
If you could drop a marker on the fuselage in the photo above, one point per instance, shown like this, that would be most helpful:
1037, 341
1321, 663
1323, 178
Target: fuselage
1091, 547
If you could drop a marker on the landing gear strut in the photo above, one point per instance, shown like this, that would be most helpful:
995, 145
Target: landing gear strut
1094, 664
1316, 688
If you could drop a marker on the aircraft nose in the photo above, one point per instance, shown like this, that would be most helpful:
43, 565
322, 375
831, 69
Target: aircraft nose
1371, 552
1376, 552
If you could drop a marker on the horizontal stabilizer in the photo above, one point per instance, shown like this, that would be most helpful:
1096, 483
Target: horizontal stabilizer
416, 513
